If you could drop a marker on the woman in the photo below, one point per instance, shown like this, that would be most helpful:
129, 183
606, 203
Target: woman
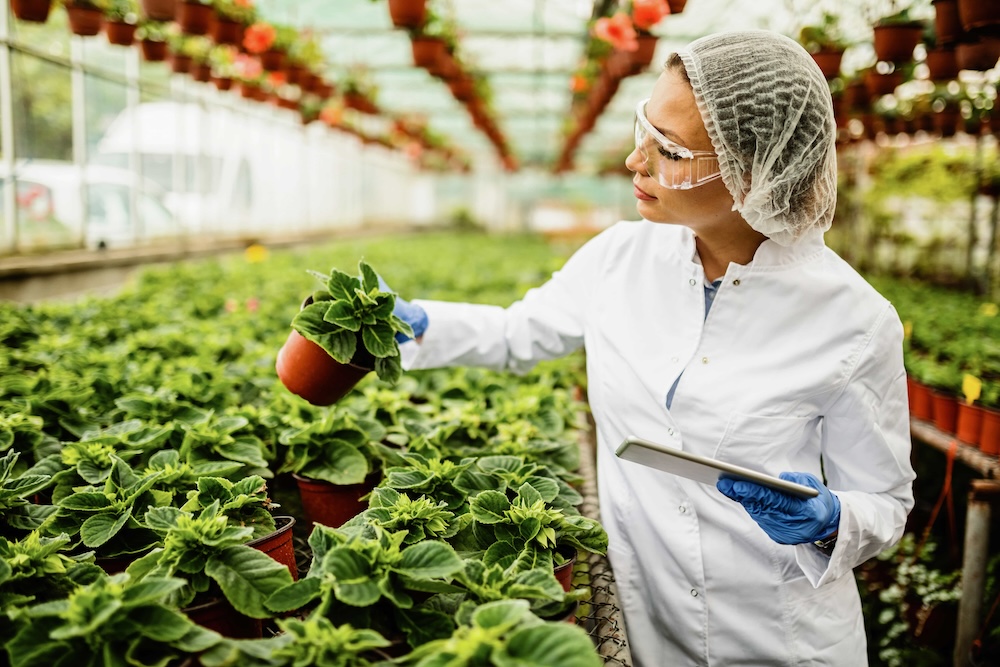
721, 324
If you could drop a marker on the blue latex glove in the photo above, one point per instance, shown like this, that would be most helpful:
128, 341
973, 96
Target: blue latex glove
410, 313
787, 519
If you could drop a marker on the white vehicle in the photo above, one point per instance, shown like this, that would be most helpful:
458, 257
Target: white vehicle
50, 206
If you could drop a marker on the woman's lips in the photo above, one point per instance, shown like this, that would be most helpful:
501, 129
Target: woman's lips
639, 194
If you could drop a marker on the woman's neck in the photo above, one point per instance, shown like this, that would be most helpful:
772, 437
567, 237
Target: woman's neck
734, 246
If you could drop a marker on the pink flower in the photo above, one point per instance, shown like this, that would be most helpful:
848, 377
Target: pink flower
647, 13
232, 305
617, 31
259, 37
253, 304
247, 68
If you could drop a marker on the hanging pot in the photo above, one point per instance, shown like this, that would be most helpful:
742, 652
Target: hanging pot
272, 60
829, 62
947, 25
407, 13
676, 6
201, 72
427, 51
160, 10
879, 84
222, 82
225, 32
942, 63
969, 425
217, 614
332, 504
293, 74
153, 51
194, 18
84, 21
979, 14
180, 63
979, 55
643, 56
36, 11
894, 42
278, 545
120, 33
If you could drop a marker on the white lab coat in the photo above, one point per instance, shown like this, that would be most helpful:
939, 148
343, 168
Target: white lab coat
799, 364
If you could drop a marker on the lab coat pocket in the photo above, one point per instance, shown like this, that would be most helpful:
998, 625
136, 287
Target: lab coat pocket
761, 443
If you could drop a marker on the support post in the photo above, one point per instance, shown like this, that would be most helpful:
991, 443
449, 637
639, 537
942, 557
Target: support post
974, 559
8, 184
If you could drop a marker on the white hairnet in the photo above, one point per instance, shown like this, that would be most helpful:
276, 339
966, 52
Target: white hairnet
768, 111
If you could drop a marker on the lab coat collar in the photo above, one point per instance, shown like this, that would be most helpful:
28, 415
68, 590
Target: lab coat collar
770, 255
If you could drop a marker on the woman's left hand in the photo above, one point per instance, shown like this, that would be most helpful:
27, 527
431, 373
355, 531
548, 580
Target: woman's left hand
787, 519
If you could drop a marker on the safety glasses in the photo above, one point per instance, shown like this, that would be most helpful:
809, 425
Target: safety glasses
672, 165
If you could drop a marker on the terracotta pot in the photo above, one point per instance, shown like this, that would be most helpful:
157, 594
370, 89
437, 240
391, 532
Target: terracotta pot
946, 122
31, 10
676, 6
201, 72
122, 34
160, 10
427, 51
222, 82
332, 504
272, 61
829, 62
407, 13
894, 43
947, 25
643, 56
978, 55
225, 32
219, 615
945, 411
969, 425
293, 74
978, 14
84, 21
194, 18
882, 84
180, 63
360, 103
153, 52
564, 572
278, 545
308, 371
248, 91
989, 436
943, 64
921, 403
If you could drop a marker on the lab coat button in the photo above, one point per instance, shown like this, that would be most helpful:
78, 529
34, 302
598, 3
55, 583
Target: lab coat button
670, 431
704, 360
736, 282
682, 509
674, 360
694, 593
693, 282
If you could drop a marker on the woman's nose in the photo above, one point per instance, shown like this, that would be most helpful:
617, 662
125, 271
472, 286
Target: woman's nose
634, 162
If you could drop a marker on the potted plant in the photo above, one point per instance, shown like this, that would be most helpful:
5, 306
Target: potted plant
159, 10
126, 619
359, 90
825, 43
645, 15
120, 21
152, 36
19, 515
86, 17
941, 61
407, 13
335, 461
231, 18
195, 16
270, 42
342, 332
37, 569
947, 24
978, 15
896, 35
36, 11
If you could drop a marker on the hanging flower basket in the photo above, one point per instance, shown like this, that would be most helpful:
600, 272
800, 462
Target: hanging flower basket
643, 56
272, 60
160, 10
978, 55
153, 51
895, 42
222, 83
84, 21
979, 14
225, 32
36, 11
201, 72
407, 13
947, 25
120, 33
194, 18
942, 64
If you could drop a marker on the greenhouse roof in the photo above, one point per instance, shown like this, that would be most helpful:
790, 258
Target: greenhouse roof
528, 51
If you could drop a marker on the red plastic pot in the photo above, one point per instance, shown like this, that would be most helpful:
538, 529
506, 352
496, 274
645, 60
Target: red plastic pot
943, 64
895, 42
564, 572
829, 62
427, 51
308, 371
407, 13
947, 25
969, 426
153, 52
36, 11
332, 504
921, 404
643, 56
979, 14
278, 545
194, 18
272, 61
989, 436
225, 32
84, 21
945, 411
120, 33
160, 10
219, 615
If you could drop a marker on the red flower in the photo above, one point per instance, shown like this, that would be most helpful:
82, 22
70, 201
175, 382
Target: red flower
259, 37
246, 4
617, 31
647, 13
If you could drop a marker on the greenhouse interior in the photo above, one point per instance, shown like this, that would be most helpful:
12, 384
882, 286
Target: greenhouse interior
467, 406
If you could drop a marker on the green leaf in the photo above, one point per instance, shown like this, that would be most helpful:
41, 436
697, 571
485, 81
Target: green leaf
100, 528
341, 286
353, 577
243, 450
379, 340
548, 644
369, 279
502, 614
162, 519
342, 314
160, 623
342, 463
150, 590
388, 369
428, 560
86, 501
295, 596
489, 507
32, 647
247, 577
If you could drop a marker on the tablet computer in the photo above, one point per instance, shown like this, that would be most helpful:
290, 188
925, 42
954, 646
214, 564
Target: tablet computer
701, 468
